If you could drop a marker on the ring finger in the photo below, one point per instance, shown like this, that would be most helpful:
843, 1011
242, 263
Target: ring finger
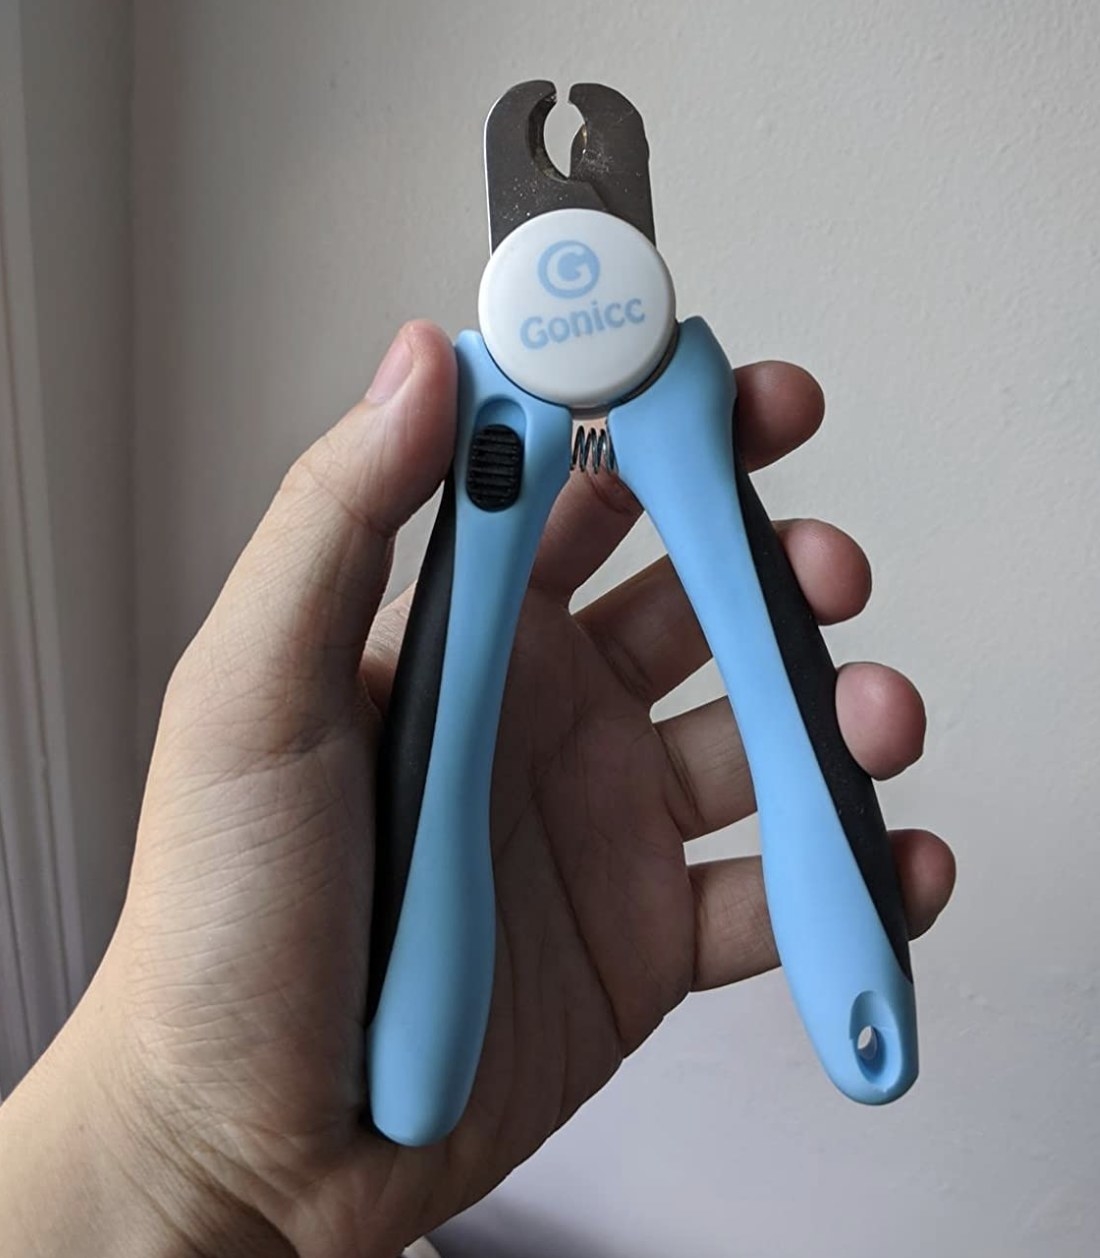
648, 632
881, 716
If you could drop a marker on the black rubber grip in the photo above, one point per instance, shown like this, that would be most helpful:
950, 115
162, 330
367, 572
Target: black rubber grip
407, 739
812, 676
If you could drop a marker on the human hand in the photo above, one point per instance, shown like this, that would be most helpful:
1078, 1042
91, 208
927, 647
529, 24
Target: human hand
227, 1017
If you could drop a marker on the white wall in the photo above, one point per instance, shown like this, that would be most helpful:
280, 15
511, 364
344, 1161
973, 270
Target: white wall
902, 197
77, 73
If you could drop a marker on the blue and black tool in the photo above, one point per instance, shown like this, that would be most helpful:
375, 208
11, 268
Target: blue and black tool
577, 318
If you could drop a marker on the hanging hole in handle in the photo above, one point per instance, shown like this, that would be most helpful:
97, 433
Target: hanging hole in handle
876, 1044
872, 1053
868, 1045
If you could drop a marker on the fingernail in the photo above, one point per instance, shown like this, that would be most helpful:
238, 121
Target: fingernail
392, 371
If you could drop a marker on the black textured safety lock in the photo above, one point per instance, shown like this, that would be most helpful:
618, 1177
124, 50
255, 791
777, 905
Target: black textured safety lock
495, 470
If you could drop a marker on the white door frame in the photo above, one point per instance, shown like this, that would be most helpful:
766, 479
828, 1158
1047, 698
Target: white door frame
42, 966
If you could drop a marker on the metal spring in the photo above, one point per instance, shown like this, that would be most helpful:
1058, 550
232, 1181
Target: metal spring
592, 449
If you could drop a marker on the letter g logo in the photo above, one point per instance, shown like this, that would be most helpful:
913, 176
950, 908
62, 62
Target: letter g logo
568, 268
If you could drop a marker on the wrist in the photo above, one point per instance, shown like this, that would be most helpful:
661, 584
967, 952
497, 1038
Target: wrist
84, 1170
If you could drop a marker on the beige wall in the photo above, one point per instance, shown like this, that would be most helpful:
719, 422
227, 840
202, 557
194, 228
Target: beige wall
903, 197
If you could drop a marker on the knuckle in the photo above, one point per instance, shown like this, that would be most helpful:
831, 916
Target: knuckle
312, 472
330, 473
686, 807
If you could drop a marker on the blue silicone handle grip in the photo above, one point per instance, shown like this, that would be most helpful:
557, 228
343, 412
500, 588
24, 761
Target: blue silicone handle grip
674, 448
426, 1035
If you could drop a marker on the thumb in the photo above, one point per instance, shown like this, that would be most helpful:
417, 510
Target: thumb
299, 602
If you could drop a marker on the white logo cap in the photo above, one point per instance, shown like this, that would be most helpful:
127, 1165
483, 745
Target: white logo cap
577, 307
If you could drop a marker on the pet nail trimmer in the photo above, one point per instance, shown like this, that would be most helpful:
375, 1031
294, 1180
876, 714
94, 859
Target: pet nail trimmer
577, 315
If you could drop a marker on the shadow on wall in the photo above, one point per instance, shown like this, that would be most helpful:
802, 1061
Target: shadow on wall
499, 1230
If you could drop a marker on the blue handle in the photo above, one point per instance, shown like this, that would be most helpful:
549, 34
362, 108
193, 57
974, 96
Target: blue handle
847, 972
434, 951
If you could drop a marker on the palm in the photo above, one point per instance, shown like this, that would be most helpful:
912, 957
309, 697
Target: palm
594, 913
594, 906
595, 921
